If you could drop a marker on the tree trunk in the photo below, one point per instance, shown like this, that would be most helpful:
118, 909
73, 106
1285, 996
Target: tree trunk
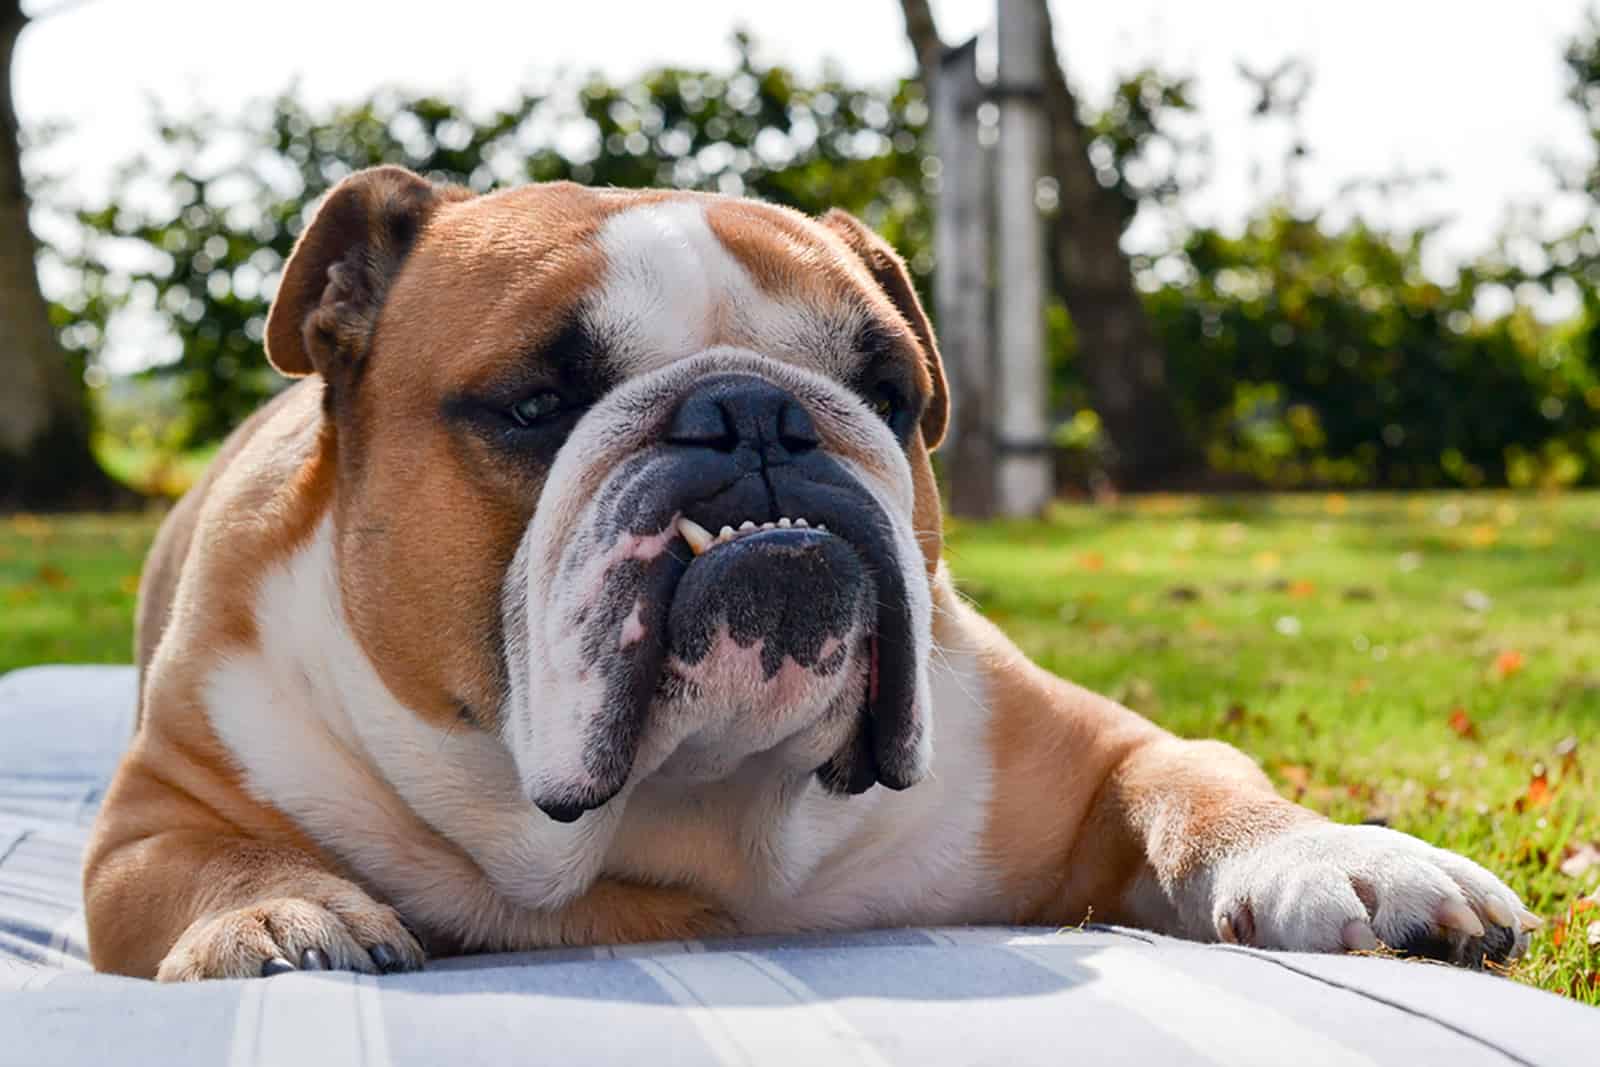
1123, 365
45, 461
961, 286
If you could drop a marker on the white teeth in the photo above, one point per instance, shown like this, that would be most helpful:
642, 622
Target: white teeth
701, 541
698, 536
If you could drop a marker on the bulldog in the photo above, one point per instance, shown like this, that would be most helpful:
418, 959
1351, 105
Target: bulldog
587, 589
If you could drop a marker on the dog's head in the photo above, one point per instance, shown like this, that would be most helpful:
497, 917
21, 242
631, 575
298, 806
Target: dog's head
637, 480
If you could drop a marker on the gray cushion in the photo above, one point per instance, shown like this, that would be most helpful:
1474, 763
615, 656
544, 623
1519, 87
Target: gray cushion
941, 996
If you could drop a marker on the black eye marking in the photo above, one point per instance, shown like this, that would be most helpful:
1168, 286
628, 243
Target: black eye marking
536, 408
532, 410
886, 402
885, 380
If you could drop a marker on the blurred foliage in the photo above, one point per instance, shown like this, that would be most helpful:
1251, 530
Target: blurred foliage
200, 229
1308, 357
1136, 145
1302, 353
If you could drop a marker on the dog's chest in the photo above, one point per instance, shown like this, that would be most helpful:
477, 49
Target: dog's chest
318, 736
800, 858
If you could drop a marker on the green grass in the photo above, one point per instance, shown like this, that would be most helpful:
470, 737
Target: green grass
1429, 660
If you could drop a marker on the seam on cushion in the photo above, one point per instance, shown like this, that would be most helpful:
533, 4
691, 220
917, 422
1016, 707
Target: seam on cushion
15, 844
1104, 928
1385, 1001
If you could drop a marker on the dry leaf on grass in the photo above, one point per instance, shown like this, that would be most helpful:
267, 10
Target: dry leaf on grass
1295, 775
53, 576
1538, 794
1508, 663
1461, 724
1580, 858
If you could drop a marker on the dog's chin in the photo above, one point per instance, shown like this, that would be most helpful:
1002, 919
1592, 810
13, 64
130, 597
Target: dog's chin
772, 599
769, 639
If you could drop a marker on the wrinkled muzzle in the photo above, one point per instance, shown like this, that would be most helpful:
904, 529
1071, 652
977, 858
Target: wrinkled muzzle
722, 564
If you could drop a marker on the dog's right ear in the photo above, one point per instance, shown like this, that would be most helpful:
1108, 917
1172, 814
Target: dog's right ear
336, 279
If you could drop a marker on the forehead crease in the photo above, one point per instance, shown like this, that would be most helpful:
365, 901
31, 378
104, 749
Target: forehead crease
503, 275
675, 284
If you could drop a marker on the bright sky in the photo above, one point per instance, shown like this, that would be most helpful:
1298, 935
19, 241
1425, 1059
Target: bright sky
1471, 88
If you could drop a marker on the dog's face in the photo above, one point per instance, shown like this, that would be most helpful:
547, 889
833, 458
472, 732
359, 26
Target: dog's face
637, 481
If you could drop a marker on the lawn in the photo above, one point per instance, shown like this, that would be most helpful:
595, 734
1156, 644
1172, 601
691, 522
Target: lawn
1429, 660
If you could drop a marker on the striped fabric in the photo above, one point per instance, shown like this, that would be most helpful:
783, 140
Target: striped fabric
932, 996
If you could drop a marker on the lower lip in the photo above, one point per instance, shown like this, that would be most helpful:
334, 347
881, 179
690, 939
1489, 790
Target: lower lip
782, 537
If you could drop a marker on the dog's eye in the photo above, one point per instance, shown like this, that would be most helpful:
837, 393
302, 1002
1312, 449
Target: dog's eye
886, 402
536, 408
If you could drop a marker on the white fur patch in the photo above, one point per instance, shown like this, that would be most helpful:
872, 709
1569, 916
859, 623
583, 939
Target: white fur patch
321, 738
672, 289
1301, 887
436, 821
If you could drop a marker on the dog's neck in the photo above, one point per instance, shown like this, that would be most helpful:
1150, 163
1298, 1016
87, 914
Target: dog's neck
755, 839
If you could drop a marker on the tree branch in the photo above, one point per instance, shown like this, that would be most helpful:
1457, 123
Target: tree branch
923, 32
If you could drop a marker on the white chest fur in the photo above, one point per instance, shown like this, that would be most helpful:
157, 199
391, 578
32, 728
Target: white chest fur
434, 821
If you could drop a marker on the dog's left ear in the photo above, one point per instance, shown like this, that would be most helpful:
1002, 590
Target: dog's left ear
889, 270
335, 282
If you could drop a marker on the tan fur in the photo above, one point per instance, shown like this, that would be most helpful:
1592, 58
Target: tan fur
1091, 797
400, 297
179, 839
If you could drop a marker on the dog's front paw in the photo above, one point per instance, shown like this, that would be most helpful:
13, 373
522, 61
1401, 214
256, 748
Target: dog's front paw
1329, 888
336, 928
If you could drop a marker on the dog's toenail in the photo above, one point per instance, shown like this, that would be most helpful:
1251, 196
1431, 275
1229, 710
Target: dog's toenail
313, 960
384, 958
276, 965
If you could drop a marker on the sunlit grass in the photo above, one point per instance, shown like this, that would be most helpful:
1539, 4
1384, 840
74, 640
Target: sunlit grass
1430, 660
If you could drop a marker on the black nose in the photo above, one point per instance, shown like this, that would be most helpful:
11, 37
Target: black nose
730, 411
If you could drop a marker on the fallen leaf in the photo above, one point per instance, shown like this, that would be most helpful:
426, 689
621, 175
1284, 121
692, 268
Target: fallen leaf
1538, 794
1335, 504
1235, 714
1484, 535
1461, 724
1567, 752
1359, 686
53, 576
1267, 561
1301, 589
1508, 663
1092, 561
1580, 858
1295, 774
